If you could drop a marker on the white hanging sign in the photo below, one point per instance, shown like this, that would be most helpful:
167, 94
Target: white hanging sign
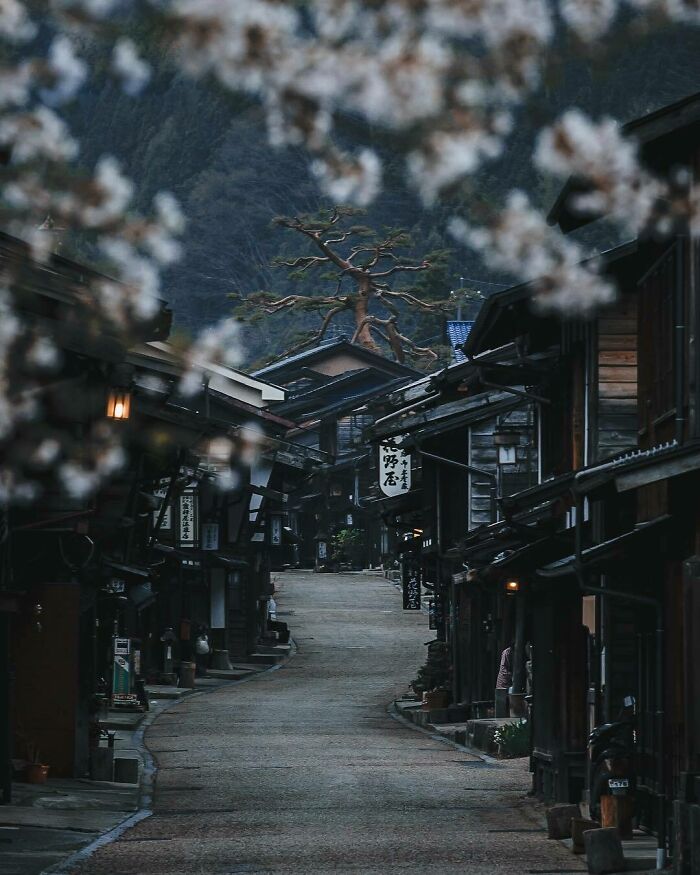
394, 469
276, 530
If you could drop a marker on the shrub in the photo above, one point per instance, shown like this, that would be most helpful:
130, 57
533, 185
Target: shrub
435, 673
513, 739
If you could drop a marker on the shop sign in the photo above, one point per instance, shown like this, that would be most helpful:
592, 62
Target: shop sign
121, 673
436, 617
411, 591
167, 522
394, 469
188, 519
322, 553
276, 530
210, 536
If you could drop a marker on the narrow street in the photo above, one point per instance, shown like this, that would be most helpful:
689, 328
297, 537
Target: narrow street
303, 770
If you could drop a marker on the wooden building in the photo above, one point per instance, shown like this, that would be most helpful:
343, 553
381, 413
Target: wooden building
328, 389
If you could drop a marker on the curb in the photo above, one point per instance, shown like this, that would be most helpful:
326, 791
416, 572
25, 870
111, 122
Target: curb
393, 712
150, 770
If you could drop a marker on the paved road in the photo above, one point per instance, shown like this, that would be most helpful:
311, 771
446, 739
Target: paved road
301, 769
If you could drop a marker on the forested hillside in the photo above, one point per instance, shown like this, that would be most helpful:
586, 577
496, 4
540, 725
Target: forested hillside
210, 149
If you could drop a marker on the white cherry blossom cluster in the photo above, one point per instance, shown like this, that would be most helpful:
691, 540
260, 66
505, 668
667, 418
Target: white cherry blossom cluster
45, 196
446, 75
598, 154
520, 242
219, 344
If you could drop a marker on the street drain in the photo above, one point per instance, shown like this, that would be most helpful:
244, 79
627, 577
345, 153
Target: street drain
188, 812
173, 750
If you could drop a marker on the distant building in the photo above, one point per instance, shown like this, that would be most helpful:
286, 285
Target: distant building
457, 334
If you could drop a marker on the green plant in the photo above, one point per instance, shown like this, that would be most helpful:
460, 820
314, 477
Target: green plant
435, 674
346, 545
513, 739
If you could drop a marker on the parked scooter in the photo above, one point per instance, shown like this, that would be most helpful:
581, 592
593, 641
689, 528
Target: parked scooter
611, 757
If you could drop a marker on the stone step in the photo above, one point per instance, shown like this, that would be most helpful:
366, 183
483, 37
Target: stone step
274, 649
258, 659
235, 674
122, 720
160, 691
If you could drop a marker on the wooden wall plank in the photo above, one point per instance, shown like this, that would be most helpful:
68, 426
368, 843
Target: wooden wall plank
618, 357
620, 373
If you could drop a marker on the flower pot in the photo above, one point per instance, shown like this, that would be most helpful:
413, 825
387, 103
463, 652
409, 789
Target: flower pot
36, 773
435, 699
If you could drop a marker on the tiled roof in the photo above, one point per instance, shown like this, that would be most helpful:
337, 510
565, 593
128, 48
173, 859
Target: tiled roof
458, 332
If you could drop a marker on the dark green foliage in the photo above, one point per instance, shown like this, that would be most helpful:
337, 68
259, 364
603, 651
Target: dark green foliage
435, 674
513, 739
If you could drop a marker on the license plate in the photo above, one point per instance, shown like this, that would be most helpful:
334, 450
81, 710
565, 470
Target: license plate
618, 783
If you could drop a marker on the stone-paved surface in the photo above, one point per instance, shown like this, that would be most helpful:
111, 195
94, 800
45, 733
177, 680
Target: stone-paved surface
301, 769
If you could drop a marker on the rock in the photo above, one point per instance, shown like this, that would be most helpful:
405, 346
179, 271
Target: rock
559, 819
604, 852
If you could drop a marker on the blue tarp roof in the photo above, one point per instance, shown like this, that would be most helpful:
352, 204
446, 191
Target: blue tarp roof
457, 333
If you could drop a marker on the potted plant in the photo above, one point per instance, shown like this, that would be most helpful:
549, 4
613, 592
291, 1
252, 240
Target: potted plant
35, 771
432, 681
348, 547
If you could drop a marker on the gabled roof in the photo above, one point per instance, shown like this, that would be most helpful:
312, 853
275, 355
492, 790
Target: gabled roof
284, 368
161, 357
507, 315
349, 388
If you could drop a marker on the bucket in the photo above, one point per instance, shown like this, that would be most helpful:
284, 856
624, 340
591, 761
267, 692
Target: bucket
187, 672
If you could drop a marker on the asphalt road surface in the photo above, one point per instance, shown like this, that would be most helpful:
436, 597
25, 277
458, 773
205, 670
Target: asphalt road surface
302, 769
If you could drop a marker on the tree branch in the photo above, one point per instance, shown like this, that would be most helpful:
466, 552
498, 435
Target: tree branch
403, 268
292, 300
304, 261
428, 306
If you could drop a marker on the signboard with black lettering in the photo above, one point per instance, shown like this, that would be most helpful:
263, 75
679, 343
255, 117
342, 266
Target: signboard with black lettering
394, 469
411, 591
189, 522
